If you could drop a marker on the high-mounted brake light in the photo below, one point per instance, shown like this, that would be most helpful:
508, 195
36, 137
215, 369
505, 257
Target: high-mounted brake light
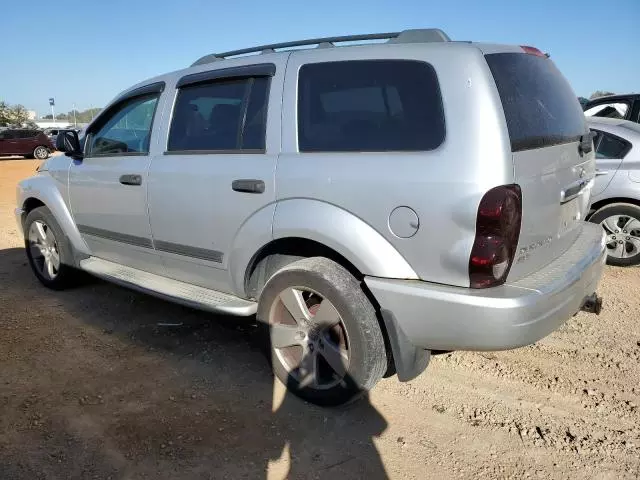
532, 51
497, 232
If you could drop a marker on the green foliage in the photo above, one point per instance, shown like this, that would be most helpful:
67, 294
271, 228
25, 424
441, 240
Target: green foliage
81, 117
17, 116
85, 116
12, 115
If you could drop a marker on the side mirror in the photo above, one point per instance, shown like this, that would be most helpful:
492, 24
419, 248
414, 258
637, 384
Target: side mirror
67, 141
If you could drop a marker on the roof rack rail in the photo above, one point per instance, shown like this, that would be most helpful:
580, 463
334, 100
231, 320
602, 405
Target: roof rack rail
406, 36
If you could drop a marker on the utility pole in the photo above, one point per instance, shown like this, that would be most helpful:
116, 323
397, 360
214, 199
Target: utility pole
75, 123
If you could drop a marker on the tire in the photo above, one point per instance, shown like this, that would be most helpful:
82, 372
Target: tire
41, 152
64, 274
354, 341
621, 222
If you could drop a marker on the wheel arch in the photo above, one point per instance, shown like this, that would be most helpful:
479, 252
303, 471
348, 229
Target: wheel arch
29, 204
282, 251
317, 226
595, 206
39, 191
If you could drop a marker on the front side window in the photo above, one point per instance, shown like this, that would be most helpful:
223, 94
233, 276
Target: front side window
611, 110
222, 115
127, 130
369, 105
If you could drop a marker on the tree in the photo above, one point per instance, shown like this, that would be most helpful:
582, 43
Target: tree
13, 116
600, 93
81, 117
87, 115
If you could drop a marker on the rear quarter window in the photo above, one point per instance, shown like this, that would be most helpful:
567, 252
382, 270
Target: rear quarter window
610, 146
369, 105
539, 105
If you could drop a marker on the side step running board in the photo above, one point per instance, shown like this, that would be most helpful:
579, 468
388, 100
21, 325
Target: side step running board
174, 290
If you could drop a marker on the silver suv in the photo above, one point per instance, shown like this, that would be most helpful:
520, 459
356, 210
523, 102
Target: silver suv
370, 203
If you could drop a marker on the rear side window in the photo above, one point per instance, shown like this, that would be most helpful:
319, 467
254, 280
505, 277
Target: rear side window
369, 105
610, 146
220, 116
8, 134
540, 107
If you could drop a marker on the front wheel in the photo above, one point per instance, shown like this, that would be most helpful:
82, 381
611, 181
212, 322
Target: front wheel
621, 222
325, 341
48, 250
41, 153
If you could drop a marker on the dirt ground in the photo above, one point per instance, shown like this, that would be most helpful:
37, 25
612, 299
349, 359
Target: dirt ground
92, 386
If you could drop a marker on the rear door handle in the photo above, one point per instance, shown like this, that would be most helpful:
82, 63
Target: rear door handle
248, 186
131, 179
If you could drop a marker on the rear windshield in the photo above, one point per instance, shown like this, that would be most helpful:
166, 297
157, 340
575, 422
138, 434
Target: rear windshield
540, 107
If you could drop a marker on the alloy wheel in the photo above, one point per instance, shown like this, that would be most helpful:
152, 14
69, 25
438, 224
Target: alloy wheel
44, 249
309, 338
623, 236
41, 153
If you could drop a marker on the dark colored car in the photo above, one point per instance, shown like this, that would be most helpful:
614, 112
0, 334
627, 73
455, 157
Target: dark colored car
26, 142
624, 107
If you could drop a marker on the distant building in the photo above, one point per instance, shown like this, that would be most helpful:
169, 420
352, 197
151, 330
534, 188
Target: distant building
32, 115
51, 124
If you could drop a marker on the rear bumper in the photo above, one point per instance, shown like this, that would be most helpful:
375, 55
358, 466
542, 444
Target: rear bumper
439, 317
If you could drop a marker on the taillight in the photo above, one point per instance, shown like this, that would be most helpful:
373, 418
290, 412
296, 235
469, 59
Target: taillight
497, 232
532, 51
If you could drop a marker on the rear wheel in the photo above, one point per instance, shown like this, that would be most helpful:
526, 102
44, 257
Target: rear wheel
48, 250
324, 339
41, 152
621, 222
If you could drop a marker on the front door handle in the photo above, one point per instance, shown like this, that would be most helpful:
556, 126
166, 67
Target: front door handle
248, 186
131, 179
601, 172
